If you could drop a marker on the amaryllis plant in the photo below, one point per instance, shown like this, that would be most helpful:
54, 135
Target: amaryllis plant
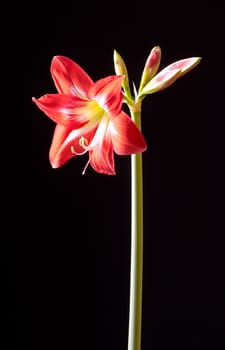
89, 119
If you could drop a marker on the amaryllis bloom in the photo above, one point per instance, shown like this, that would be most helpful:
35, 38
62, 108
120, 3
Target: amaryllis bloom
89, 118
153, 81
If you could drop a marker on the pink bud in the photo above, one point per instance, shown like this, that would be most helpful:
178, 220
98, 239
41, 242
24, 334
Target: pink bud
169, 75
185, 65
151, 66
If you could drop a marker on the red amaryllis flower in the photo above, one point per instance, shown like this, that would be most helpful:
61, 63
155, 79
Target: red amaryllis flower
89, 118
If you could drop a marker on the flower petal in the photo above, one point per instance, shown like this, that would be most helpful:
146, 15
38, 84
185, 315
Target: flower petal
102, 156
69, 77
108, 93
56, 157
126, 136
68, 110
66, 144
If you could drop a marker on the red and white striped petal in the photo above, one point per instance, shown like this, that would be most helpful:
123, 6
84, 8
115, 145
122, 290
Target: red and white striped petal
69, 77
57, 157
108, 93
126, 136
101, 157
66, 143
68, 109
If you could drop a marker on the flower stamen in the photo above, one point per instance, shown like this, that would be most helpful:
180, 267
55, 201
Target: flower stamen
85, 168
77, 153
83, 142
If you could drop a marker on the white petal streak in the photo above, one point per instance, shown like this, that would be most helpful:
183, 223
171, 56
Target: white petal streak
101, 132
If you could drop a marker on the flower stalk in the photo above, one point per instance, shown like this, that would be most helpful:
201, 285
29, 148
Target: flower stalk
136, 263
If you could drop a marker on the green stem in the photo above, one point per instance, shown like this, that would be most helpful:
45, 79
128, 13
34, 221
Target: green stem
136, 267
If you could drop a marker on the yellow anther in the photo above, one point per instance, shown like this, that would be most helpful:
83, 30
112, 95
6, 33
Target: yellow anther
83, 142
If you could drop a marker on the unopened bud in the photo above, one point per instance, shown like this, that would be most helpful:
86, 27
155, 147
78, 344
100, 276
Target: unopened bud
151, 66
121, 69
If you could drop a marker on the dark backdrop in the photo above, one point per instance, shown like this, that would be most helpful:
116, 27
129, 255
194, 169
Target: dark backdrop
67, 256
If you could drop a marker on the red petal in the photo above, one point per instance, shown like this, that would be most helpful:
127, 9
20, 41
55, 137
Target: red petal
58, 157
66, 110
102, 156
69, 77
126, 137
65, 144
108, 93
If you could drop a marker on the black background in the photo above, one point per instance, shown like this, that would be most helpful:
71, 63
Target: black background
67, 256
